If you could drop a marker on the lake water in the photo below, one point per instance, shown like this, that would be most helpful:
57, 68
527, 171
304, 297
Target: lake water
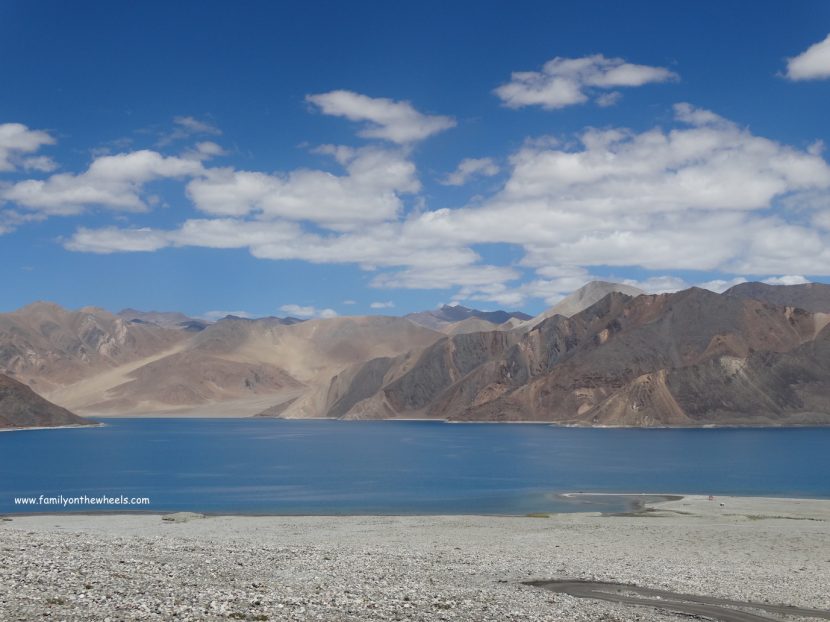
399, 467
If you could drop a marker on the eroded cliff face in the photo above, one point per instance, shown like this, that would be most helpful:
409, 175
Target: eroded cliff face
685, 359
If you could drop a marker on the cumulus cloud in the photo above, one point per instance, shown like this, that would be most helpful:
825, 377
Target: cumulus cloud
193, 125
307, 311
395, 121
663, 284
789, 279
721, 285
204, 150
606, 100
702, 195
112, 181
370, 191
812, 64
685, 198
185, 127
382, 246
18, 143
112, 239
473, 277
471, 167
569, 81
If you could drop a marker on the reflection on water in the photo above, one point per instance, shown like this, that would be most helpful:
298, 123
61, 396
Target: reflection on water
333, 467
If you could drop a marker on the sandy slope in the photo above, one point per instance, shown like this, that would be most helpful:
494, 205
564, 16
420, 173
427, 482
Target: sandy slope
226, 409
90, 390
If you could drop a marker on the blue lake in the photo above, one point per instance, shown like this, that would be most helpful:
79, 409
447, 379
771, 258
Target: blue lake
399, 467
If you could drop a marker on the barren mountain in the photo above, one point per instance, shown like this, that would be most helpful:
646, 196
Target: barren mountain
581, 299
47, 346
474, 325
20, 407
808, 296
237, 359
164, 319
690, 358
449, 317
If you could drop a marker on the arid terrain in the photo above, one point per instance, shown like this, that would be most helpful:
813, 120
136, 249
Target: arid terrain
606, 355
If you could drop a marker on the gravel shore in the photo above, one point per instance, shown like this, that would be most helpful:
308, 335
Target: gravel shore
141, 567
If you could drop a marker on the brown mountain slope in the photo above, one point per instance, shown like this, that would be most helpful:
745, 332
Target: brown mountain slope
649, 360
48, 346
808, 296
20, 407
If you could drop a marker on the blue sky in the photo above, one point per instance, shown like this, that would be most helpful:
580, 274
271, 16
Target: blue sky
370, 157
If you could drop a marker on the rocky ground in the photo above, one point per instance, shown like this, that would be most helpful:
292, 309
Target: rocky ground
141, 567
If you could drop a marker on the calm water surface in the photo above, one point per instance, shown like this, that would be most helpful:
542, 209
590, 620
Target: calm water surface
333, 467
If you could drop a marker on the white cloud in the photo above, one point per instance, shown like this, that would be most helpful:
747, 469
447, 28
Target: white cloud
789, 279
444, 276
701, 195
114, 240
396, 121
381, 246
721, 285
569, 81
822, 219
187, 127
658, 284
307, 311
679, 199
812, 64
113, 181
204, 150
606, 100
18, 142
382, 305
44, 164
350, 302
370, 191
468, 168
193, 125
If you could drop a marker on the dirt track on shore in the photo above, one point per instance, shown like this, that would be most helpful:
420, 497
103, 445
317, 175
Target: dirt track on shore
722, 609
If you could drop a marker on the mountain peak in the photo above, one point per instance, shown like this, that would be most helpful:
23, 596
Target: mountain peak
582, 298
41, 306
451, 314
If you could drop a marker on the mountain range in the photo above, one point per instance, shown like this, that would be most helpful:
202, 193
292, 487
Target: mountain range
606, 355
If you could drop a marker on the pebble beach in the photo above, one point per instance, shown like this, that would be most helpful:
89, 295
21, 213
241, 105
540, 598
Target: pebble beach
190, 567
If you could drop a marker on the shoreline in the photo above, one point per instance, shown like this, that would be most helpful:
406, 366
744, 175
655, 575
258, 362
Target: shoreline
383, 568
640, 503
237, 417
55, 427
